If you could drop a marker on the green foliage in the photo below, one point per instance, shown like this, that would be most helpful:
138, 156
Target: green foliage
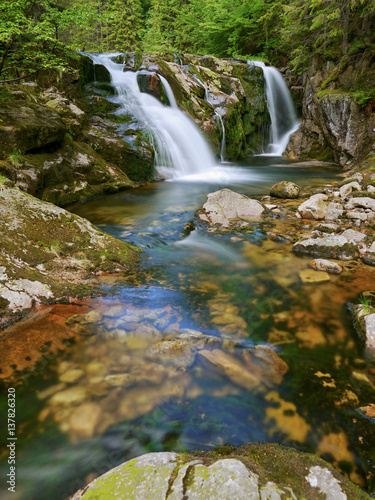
366, 303
15, 158
364, 96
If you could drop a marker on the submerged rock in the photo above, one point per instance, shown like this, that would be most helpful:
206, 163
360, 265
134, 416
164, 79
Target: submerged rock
251, 472
285, 189
226, 207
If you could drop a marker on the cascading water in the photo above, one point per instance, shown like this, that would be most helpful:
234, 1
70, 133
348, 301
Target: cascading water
207, 98
281, 109
180, 149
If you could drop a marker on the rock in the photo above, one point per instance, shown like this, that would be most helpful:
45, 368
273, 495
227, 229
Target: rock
232, 368
71, 376
37, 236
368, 410
101, 73
364, 202
326, 265
26, 127
225, 207
354, 236
174, 351
334, 211
84, 420
120, 380
310, 276
253, 472
151, 83
371, 189
68, 397
334, 247
327, 228
370, 330
224, 479
347, 189
357, 215
322, 479
285, 189
314, 208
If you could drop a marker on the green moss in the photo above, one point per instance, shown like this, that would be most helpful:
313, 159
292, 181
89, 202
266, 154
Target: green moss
326, 92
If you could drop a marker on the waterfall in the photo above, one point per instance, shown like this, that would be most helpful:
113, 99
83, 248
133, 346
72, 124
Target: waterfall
281, 109
207, 98
180, 149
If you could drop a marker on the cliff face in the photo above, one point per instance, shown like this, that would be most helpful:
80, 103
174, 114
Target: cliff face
338, 112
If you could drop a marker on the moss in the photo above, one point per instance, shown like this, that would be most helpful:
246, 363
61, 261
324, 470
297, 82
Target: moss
326, 92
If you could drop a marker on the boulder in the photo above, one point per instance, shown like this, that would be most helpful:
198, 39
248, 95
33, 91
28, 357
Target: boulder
226, 207
347, 189
251, 472
331, 247
25, 127
101, 73
314, 208
364, 202
354, 236
151, 83
285, 189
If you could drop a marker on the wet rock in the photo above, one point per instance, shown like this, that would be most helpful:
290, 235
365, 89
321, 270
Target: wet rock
68, 397
199, 340
50, 391
313, 276
173, 351
334, 247
368, 410
151, 83
225, 207
232, 368
84, 420
266, 364
370, 330
71, 376
326, 265
285, 189
314, 208
101, 73
120, 380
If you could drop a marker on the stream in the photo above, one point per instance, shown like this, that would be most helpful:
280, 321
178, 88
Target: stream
278, 360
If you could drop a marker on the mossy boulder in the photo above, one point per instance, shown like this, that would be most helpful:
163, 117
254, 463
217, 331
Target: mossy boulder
285, 189
250, 472
48, 253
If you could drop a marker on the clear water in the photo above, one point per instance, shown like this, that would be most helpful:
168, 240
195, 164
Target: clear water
242, 289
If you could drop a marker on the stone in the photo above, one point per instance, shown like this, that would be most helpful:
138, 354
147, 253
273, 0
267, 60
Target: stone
173, 351
347, 189
364, 202
326, 265
334, 211
356, 215
225, 207
231, 367
84, 420
146, 478
370, 330
68, 397
71, 376
225, 479
371, 189
328, 228
368, 410
334, 247
120, 380
354, 236
150, 83
314, 208
323, 479
285, 189
312, 276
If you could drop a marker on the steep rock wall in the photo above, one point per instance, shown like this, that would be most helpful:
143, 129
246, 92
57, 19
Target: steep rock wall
336, 125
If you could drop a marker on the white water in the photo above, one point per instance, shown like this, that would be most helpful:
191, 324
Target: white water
281, 109
180, 149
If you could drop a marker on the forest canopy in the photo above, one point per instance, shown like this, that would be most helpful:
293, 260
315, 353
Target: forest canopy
38, 34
